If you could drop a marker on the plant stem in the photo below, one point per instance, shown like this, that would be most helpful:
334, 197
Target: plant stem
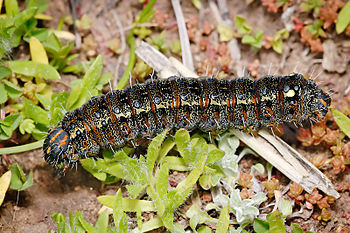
22, 148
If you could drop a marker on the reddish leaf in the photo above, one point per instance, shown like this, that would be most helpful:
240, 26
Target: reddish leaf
329, 12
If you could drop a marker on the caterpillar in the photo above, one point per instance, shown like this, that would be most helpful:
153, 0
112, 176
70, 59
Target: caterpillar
143, 110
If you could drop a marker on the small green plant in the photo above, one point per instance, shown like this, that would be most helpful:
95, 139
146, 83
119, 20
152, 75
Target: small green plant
255, 41
226, 33
241, 25
142, 177
35, 119
77, 223
277, 43
159, 42
274, 223
244, 210
18, 180
312, 5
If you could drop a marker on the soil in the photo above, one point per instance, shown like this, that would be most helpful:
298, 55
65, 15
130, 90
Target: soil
30, 210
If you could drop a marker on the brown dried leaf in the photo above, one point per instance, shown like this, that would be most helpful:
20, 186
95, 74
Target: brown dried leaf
271, 186
338, 163
271, 5
160, 18
207, 28
308, 39
245, 180
313, 197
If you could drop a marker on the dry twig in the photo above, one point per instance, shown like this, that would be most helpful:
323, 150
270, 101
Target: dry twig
123, 46
185, 43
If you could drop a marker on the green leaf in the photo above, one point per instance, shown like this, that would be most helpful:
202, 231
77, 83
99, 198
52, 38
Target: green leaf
343, 18
44, 100
40, 132
162, 180
59, 218
8, 125
309, 5
276, 223
138, 217
18, 180
78, 225
42, 5
152, 224
197, 216
277, 40
102, 222
84, 224
175, 47
224, 220
225, 32
3, 94
35, 112
176, 163
204, 229
84, 91
119, 217
40, 33
4, 72
100, 167
182, 140
342, 121
241, 25
197, 4
159, 42
128, 205
277, 45
205, 181
296, 228
135, 189
285, 207
13, 90
261, 226
52, 44
105, 78
37, 51
214, 154
153, 152
27, 126
254, 41
11, 7
58, 107
5, 180
244, 210
147, 12
185, 186
34, 69
167, 145
176, 197
316, 28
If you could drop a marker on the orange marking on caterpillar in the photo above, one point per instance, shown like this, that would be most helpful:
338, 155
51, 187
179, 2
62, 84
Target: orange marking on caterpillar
56, 135
64, 141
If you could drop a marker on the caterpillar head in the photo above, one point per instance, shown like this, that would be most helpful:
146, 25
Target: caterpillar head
69, 141
316, 101
57, 146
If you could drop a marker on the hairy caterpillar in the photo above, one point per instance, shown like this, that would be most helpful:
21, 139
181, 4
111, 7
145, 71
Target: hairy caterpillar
210, 104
